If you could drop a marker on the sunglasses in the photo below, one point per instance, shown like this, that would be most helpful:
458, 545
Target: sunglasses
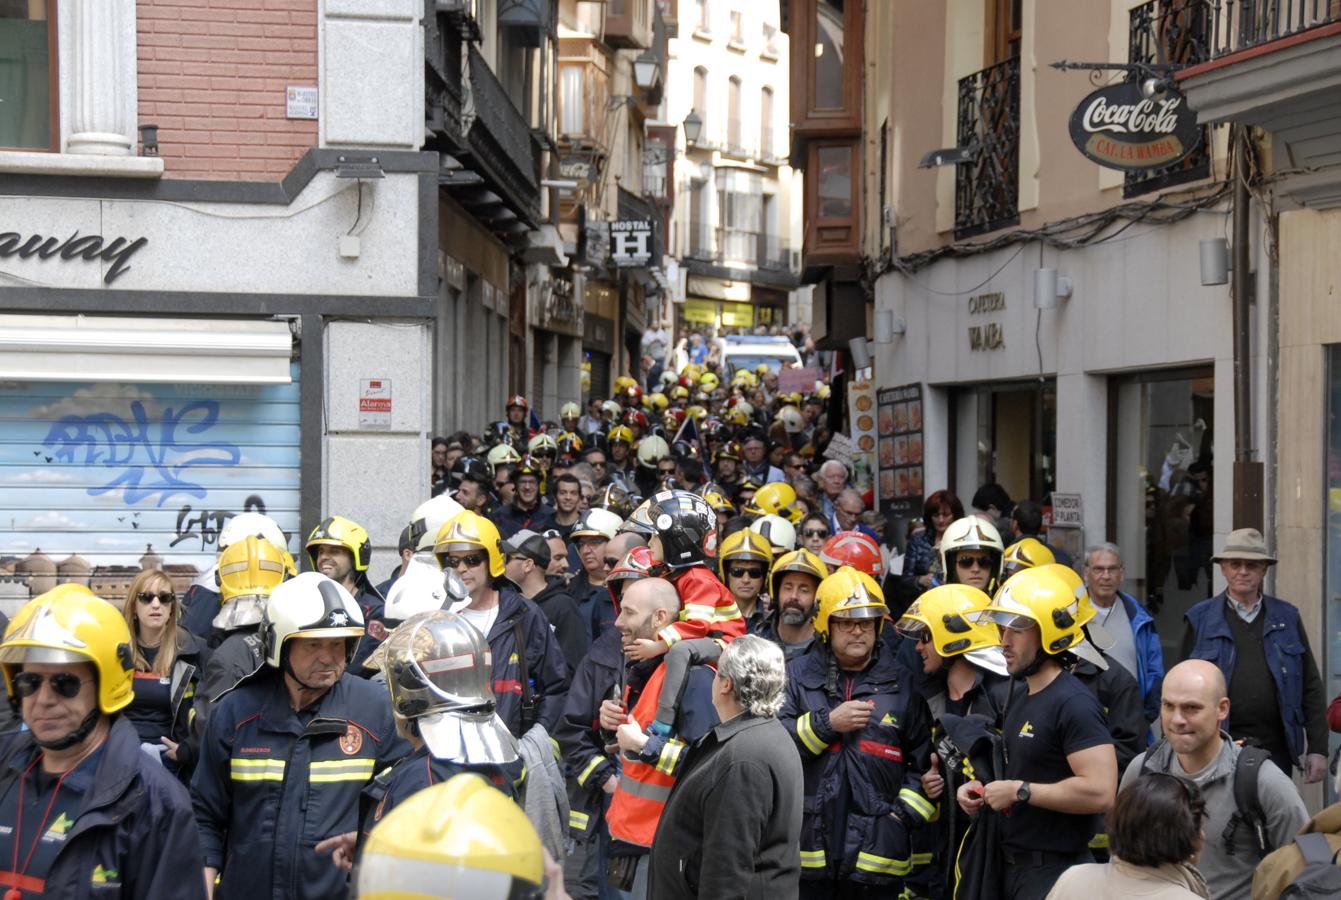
470, 561
26, 684
664, 471
815, 532
968, 562
167, 598
596, 463
745, 572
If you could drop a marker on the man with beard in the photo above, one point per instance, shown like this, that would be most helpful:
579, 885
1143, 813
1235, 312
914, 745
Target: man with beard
527, 557
340, 550
795, 578
1060, 767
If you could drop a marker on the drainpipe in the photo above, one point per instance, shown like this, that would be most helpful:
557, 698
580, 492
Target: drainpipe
1248, 473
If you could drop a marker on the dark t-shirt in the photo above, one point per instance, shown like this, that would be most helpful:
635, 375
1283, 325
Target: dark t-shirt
1041, 730
151, 710
42, 838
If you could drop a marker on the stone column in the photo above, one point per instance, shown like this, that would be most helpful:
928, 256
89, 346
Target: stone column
102, 82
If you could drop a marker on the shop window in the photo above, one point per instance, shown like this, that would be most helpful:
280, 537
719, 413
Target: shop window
1016, 438
826, 65
28, 80
1161, 489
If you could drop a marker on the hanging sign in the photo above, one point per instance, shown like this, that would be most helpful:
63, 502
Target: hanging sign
1119, 127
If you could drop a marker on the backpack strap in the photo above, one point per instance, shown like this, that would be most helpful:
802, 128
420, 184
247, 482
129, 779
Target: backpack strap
1247, 804
529, 704
1315, 849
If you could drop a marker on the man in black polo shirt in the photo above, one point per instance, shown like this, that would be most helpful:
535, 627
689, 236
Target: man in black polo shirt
1061, 769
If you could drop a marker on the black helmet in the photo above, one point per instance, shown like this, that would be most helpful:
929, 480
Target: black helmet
496, 433
529, 465
687, 527
616, 499
470, 468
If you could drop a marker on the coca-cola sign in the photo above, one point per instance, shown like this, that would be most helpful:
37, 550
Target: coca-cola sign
1119, 127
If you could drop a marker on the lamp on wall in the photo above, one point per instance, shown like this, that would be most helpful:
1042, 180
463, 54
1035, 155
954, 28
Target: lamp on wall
149, 140
1214, 261
1050, 288
645, 69
861, 355
887, 325
693, 127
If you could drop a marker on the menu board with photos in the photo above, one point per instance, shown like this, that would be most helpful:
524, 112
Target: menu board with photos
899, 423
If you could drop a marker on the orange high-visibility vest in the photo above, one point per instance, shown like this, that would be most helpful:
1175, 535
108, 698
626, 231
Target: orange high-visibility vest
639, 798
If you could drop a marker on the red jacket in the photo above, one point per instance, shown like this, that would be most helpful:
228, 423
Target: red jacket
707, 608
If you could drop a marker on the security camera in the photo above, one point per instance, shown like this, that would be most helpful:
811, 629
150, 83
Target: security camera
1153, 88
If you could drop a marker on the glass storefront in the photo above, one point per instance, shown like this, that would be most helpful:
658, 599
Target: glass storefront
1162, 475
1017, 438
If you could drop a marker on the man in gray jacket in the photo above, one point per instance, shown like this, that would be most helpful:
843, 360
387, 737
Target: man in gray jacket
1193, 709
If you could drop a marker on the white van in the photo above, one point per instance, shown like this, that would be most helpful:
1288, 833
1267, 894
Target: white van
747, 352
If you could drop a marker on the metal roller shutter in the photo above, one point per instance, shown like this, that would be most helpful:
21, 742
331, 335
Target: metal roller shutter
102, 479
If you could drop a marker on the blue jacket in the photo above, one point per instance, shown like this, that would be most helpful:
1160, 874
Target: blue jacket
547, 672
134, 831
512, 519
1149, 654
1283, 643
599, 676
863, 789
271, 783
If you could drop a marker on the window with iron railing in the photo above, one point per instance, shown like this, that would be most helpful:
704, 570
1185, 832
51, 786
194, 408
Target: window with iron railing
1241, 24
987, 187
1174, 32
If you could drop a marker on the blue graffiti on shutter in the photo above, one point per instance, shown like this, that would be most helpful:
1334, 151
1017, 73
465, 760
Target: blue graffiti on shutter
145, 458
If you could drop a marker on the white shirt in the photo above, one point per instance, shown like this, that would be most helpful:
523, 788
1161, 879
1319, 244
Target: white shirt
482, 619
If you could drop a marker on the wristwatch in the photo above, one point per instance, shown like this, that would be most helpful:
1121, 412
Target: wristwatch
1022, 795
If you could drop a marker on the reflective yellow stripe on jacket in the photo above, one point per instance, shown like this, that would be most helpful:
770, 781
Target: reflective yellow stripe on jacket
341, 770
256, 769
918, 804
669, 760
882, 865
578, 820
806, 732
590, 767
812, 859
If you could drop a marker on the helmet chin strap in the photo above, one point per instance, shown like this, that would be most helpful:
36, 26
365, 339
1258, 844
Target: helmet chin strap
74, 737
1033, 667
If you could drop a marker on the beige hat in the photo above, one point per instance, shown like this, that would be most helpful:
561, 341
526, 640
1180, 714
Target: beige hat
1245, 543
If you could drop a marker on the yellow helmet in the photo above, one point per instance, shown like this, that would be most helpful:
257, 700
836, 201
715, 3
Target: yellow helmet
696, 412
459, 838
717, 499
623, 382
1025, 554
71, 624
948, 616
777, 498
761, 370
744, 545
737, 416
694, 370
709, 382
847, 594
1078, 587
337, 531
745, 377
656, 402
620, 433
1043, 598
465, 531
802, 561
248, 571
679, 392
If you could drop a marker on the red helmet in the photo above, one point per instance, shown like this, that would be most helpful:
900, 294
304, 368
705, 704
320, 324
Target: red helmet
517, 400
672, 419
852, 548
632, 394
634, 418
636, 564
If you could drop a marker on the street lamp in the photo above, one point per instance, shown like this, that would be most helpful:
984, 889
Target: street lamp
693, 127
645, 70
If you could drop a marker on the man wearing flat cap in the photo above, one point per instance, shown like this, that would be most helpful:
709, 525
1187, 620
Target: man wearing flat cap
1276, 698
527, 556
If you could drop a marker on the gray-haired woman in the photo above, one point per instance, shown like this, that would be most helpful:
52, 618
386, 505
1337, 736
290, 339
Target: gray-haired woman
732, 825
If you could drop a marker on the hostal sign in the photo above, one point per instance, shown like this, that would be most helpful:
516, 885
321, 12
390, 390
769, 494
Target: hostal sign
1119, 127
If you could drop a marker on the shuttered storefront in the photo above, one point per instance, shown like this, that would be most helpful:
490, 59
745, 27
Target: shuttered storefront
101, 479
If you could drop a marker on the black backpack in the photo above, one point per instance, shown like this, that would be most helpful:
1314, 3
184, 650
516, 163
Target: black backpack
1321, 876
1248, 812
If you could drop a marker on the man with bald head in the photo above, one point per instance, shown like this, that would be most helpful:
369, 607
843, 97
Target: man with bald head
1194, 706
652, 762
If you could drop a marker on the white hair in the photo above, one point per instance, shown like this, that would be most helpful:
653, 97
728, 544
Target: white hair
757, 671
829, 464
1103, 547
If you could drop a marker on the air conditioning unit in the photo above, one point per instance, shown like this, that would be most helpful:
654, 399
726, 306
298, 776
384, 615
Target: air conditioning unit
464, 14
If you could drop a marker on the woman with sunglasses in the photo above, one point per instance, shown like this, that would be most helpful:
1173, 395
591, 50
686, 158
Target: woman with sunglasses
168, 663
814, 532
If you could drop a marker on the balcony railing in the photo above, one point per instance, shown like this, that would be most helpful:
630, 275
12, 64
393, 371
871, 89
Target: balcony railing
1177, 32
738, 247
987, 187
736, 145
1241, 24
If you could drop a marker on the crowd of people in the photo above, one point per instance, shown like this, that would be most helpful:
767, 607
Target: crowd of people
660, 647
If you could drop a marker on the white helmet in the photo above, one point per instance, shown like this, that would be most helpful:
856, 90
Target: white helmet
652, 450
570, 410
612, 407
249, 524
792, 420
422, 588
596, 522
310, 605
780, 533
669, 377
502, 455
540, 442
428, 517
